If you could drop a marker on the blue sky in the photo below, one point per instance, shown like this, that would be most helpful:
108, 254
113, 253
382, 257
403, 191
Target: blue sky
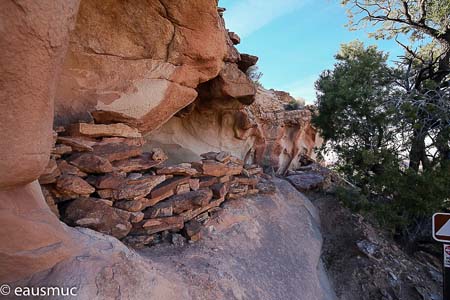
295, 40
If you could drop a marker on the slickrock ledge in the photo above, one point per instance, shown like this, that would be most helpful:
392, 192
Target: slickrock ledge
262, 247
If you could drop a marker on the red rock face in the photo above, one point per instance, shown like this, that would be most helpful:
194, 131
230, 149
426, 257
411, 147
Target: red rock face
33, 41
139, 62
263, 132
134, 62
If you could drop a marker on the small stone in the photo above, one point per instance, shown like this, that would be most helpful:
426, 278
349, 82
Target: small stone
202, 217
168, 185
50, 173
154, 200
219, 190
223, 156
140, 163
194, 184
138, 241
193, 230
97, 215
213, 168
77, 144
209, 155
134, 176
73, 186
101, 130
107, 202
129, 205
61, 149
239, 188
252, 180
178, 240
180, 169
117, 140
180, 203
226, 178
235, 39
109, 181
217, 169
249, 172
109, 117
90, 163
158, 211
183, 188
234, 168
306, 181
235, 196
136, 217
106, 194
139, 188
117, 151
252, 191
161, 224
68, 169
158, 154
192, 213
207, 181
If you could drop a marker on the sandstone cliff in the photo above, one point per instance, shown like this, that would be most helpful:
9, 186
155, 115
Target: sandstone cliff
168, 69
158, 66
263, 132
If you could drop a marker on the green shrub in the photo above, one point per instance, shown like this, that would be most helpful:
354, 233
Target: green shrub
293, 105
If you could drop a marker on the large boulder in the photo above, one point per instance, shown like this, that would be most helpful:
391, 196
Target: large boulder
33, 42
247, 61
233, 83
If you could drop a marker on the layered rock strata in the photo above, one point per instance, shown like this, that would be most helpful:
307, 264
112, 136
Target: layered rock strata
140, 63
264, 132
112, 186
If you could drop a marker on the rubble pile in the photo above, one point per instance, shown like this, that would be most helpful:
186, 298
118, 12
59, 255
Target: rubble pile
99, 177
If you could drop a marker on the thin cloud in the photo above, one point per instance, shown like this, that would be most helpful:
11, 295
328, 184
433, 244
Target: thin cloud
248, 16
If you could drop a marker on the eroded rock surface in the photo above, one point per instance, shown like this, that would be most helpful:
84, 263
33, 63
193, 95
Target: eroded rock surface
265, 247
139, 62
256, 249
263, 132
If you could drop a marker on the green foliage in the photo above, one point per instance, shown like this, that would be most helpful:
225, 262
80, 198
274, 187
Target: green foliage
371, 123
293, 105
351, 98
406, 198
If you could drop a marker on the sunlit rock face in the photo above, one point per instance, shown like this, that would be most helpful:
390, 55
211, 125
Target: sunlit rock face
263, 132
157, 66
139, 61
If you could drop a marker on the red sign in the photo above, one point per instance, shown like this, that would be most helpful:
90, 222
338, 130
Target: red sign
441, 227
447, 249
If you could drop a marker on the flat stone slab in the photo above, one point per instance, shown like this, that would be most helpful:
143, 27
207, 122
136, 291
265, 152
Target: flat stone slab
306, 181
102, 130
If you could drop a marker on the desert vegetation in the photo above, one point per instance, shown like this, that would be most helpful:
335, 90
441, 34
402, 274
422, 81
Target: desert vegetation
389, 123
